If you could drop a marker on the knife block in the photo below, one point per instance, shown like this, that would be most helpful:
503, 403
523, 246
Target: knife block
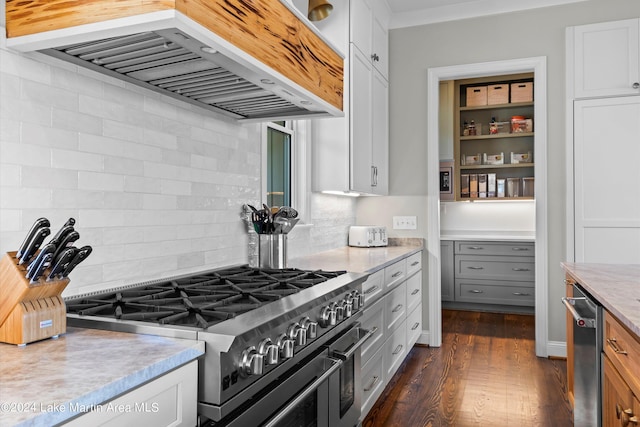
29, 311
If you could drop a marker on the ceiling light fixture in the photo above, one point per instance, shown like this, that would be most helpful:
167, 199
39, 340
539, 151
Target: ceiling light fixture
319, 9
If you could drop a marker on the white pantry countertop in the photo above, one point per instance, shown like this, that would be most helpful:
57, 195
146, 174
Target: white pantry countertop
488, 235
42, 382
359, 260
616, 287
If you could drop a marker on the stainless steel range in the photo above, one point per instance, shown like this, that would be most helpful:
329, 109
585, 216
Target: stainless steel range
282, 346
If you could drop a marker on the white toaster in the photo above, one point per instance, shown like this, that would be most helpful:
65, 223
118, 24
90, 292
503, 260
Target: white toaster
366, 236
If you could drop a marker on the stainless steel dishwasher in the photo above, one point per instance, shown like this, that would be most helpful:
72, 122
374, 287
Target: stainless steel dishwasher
587, 344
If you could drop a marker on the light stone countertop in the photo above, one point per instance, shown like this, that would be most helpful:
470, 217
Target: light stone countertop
498, 236
42, 382
616, 287
359, 260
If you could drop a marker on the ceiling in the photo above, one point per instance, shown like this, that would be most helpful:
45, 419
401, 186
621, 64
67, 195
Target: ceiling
408, 13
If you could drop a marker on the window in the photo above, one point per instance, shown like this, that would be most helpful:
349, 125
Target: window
285, 165
279, 164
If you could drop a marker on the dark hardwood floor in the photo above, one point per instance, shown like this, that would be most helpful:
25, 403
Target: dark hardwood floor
485, 374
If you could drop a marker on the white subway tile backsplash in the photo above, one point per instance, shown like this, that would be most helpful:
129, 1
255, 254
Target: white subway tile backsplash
40, 177
156, 185
100, 181
75, 160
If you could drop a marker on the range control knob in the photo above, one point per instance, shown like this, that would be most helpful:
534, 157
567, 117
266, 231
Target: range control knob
348, 306
356, 300
339, 309
252, 362
286, 346
297, 334
311, 327
269, 351
328, 317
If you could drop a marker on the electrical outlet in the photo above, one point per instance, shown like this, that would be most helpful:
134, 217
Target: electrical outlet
405, 222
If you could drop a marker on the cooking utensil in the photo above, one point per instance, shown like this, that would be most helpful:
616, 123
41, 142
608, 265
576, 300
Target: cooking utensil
37, 225
34, 244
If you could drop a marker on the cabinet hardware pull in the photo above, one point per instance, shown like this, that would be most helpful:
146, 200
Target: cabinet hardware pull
415, 263
520, 269
618, 410
519, 249
476, 291
397, 309
374, 330
396, 274
371, 289
614, 345
475, 268
397, 350
636, 85
475, 248
628, 417
374, 381
415, 291
523, 294
415, 326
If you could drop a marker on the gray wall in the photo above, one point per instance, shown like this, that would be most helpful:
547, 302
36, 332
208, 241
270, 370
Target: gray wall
538, 32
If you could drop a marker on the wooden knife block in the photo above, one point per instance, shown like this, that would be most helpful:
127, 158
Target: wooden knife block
29, 311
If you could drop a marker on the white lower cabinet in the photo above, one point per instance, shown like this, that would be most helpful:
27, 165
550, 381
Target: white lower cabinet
394, 350
170, 400
393, 309
373, 381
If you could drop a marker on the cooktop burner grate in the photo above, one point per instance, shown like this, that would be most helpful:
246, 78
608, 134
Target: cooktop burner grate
201, 300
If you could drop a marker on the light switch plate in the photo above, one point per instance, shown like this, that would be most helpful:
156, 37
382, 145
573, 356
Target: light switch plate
405, 222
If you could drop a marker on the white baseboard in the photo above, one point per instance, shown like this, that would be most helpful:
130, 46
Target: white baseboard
424, 338
556, 349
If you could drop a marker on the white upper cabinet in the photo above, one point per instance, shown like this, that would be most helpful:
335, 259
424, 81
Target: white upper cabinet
360, 140
606, 59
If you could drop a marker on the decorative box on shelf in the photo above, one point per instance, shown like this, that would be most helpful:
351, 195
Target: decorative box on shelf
493, 159
476, 96
522, 92
498, 94
29, 311
521, 158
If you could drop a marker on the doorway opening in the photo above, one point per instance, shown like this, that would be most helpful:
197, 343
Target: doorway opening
537, 66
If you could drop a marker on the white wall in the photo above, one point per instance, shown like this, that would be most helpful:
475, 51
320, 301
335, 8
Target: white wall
156, 185
532, 33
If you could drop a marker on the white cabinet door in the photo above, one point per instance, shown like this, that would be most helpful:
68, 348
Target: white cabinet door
380, 49
607, 180
361, 129
361, 26
380, 138
607, 59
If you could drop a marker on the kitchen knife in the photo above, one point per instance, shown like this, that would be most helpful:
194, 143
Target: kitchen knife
60, 235
37, 262
80, 256
44, 263
34, 244
67, 240
40, 222
61, 261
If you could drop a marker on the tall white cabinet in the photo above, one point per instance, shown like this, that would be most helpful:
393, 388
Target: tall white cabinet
605, 112
352, 153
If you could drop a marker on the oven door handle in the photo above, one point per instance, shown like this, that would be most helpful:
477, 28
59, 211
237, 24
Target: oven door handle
347, 354
335, 365
583, 322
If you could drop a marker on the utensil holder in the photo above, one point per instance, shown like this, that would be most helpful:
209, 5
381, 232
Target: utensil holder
29, 311
272, 251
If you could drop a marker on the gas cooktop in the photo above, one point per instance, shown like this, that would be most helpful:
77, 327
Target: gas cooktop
200, 300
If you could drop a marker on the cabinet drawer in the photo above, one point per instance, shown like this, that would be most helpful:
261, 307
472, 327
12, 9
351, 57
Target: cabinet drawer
494, 267
373, 381
623, 348
414, 291
395, 349
395, 273
414, 263
495, 292
396, 307
414, 326
373, 320
373, 287
495, 248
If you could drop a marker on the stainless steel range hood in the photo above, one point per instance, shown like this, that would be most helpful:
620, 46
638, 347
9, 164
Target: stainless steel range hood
172, 54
